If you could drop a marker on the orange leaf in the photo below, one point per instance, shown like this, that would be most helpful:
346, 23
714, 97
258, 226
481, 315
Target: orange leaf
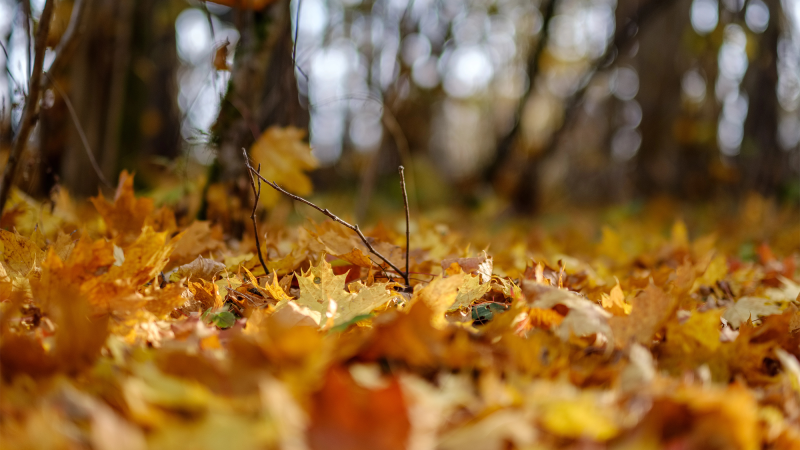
345, 415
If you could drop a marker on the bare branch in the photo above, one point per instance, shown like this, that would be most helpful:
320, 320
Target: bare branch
257, 195
8, 71
296, 33
81, 134
29, 112
26, 9
401, 169
69, 41
333, 216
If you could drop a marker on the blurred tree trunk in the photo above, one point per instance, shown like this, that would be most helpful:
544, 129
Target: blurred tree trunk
660, 63
121, 82
150, 116
262, 91
762, 162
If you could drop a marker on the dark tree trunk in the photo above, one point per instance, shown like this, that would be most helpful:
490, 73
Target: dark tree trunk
763, 163
121, 82
262, 90
661, 64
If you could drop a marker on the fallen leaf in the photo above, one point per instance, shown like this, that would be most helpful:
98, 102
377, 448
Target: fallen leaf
319, 286
650, 310
200, 268
750, 308
284, 159
345, 415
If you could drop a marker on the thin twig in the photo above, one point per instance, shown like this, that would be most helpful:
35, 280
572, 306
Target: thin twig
333, 216
69, 41
210, 20
8, 70
401, 169
26, 9
296, 33
257, 195
29, 113
381, 268
81, 134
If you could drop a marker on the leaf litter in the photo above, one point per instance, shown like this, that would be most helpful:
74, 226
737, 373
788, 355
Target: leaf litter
123, 328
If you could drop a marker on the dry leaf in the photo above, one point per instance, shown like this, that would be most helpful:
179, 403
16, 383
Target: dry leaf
284, 159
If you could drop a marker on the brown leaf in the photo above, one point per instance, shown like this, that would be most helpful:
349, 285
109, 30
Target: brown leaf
127, 215
200, 238
651, 310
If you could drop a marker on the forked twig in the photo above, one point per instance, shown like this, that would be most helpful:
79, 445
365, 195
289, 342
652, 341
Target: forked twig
401, 169
325, 211
257, 195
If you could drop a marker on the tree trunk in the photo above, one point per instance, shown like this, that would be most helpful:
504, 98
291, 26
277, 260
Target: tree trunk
262, 90
660, 64
762, 162
121, 82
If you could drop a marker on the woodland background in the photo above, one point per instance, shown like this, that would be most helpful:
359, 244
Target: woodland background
535, 104
652, 301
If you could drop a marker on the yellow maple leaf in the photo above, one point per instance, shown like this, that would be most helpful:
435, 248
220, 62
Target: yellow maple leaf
716, 270
702, 329
206, 294
20, 255
579, 418
615, 302
439, 295
319, 286
470, 291
276, 291
284, 159
143, 260
161, 302
357, 257
611, 246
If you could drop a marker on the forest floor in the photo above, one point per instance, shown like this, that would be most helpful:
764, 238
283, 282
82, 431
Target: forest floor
645, 326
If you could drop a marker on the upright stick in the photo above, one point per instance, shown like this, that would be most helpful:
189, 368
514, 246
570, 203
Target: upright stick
257, 195
401, 169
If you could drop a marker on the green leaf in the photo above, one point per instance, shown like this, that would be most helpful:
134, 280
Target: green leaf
485, 312
747, 252
224, 319
344, 326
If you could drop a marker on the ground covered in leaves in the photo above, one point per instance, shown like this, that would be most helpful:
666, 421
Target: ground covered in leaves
122, 329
